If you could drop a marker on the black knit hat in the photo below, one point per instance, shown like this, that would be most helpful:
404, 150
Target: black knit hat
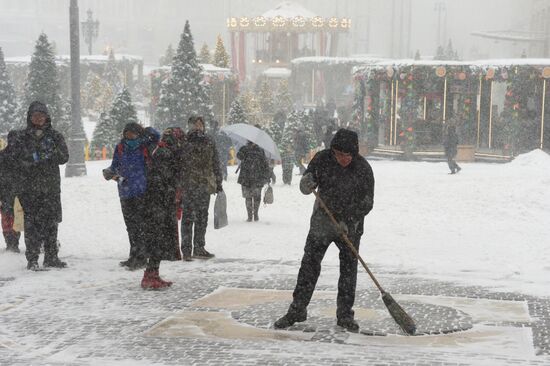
345, 141
133, 127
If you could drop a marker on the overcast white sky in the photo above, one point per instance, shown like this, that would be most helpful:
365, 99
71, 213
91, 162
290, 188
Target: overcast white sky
147, 27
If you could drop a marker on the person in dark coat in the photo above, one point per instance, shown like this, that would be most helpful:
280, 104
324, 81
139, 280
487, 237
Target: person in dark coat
201, 177
345, 182
8, 175
223, 145
254, 174
37, 152
163, 179
129, 169
301, 149
450, 143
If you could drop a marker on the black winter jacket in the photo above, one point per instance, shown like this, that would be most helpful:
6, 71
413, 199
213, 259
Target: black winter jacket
348, 191
37, 159
254, 171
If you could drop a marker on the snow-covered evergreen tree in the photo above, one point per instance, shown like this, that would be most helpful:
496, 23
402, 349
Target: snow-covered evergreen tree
184, 93
43, 84
221, 58
8, 101
166, 60
276, 127
283, 99
236, 113
204, 54
265, 98
306, 120
122, 112
105, 133
93, 89
251, 108
111, 74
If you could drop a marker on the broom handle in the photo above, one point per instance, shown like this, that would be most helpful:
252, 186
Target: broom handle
347, 241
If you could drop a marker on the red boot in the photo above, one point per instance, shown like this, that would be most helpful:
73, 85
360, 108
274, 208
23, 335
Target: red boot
157, 277
152, 281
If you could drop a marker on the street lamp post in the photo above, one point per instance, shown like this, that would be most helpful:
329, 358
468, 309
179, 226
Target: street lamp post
90, 30
76, 165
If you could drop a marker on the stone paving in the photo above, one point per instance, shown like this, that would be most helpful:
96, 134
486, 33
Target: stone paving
111, 320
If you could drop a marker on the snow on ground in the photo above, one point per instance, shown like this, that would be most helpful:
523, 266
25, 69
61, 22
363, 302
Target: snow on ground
487, 225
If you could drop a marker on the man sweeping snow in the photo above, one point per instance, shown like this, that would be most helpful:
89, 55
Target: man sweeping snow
345, 182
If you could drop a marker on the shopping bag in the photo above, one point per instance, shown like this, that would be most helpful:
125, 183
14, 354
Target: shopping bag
268, 195
220, 210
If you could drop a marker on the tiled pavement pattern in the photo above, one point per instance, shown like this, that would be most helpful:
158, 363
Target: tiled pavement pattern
104, 322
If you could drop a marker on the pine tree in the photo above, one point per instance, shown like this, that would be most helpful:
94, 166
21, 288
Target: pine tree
417, 55
184, 93
204, 54
251, 108
291, 126
221, 58
122, 112
93, 90
306, 120
265, 98
111, 74
236, 113
105, 133
276, 127
8, 103
283, 99
43, 84
166, 60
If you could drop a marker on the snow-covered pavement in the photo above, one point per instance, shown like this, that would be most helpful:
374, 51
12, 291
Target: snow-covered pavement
481, 234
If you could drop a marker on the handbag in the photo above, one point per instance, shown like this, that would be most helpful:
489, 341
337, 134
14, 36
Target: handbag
220, 210
268, 195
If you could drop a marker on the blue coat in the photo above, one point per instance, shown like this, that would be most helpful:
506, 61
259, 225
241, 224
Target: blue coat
131, 166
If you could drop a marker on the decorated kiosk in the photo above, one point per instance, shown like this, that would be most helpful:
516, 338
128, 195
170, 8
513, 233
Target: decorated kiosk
498, 106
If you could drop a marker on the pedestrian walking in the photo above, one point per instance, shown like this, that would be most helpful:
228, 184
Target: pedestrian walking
131, 158
254, 174
450, 143
201, 177
345, 182
301, 148
36, 152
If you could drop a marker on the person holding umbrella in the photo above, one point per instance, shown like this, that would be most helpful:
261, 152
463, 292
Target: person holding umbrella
254, 174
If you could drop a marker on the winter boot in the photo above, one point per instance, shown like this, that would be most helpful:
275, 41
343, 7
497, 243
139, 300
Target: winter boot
249, 209
152, 281
33, 266
202, 253
54, 262
290, 318
348, 324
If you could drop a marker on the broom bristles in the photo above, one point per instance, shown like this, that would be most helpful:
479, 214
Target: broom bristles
405, 322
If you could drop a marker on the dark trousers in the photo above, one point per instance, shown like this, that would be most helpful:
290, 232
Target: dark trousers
40, 232
453, 166
11, 237
134, 210
195, 202
287, 171
321, 235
